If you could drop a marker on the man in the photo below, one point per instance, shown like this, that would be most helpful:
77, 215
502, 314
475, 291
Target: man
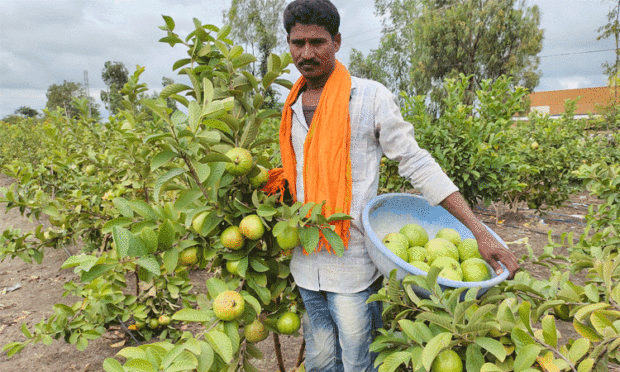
335, 129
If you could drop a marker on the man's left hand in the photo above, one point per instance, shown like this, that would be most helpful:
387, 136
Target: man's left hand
494, 252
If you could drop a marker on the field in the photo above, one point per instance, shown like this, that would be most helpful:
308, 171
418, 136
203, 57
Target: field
42, 288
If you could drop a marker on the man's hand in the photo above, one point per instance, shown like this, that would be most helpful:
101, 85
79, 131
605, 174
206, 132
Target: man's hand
490, 249
494, 252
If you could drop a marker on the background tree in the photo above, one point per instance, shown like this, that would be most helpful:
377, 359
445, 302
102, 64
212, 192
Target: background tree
612, 28
27, 112
426, 41
257, 25
114, 75
62, 95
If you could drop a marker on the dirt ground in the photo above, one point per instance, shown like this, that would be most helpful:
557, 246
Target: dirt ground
41, 288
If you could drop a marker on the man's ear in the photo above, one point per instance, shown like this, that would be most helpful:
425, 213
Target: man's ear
338, 41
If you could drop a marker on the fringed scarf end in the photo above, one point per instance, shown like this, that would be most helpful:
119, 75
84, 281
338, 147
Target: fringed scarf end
276, 183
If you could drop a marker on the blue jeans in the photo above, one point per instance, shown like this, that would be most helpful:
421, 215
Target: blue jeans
339, 328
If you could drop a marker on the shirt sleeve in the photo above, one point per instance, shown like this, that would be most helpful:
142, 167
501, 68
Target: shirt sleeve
397, 141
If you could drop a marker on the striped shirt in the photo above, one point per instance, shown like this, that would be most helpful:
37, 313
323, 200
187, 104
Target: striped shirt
377, 128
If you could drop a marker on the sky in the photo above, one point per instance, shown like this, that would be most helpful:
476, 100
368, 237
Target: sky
45, 42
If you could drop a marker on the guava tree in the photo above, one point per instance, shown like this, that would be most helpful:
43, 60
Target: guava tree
193, 198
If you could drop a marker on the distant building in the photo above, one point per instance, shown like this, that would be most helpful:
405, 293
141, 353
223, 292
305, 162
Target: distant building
552, 102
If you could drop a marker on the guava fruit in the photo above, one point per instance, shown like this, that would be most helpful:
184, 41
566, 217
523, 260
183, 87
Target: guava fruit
450, 235
475, 270
228, 305
416, 234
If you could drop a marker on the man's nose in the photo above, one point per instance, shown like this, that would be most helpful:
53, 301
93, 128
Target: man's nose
307, 51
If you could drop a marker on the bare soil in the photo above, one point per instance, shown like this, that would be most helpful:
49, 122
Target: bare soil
41, 288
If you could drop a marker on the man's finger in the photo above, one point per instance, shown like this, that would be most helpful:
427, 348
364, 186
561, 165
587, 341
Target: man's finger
496, 266
511, 263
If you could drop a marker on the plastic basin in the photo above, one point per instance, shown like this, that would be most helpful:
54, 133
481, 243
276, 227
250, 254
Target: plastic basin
389, 212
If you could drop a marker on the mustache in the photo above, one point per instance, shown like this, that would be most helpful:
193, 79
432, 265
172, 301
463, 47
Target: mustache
309, 62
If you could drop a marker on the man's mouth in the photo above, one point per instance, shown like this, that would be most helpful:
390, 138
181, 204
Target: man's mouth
307, 64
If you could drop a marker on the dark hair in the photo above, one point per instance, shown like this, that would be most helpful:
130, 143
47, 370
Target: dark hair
312, 12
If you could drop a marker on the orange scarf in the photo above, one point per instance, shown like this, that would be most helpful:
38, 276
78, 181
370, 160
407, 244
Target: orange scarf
327, 155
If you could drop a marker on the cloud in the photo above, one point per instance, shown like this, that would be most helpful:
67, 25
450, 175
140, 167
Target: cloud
49, 41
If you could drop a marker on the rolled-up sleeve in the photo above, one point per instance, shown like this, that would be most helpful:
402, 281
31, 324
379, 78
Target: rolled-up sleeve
397, 141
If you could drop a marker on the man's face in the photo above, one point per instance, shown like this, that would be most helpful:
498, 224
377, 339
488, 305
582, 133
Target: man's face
313, 50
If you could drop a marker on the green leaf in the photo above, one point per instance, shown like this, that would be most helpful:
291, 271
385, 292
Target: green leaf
263, 293
412, 331
166, 236
186, 197
205, 358
393, 289
194, 112
150, 264
521, 338
492, 346
95, 272
252, 301
143, 209
592, 292
335, 241
269, 78
192, 315
127, 244
309, 237
224, 31
285, 83
490, 367
433, 348
525, 315
583, 312
52, 211
221, 344
161, 159
112, 365
550, 333
119, 221
171, 356
139, 365
586, 365
273, 62
431, 276
394, 360
169, 22
25, 330
580, 347
258, 264
149, 237
215, 286
600, 322
266, 210
123, 207
279, 228
166, 177
586, 331
526, 357
210, 223
171, 259
186, 361
474, 360
339, 217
